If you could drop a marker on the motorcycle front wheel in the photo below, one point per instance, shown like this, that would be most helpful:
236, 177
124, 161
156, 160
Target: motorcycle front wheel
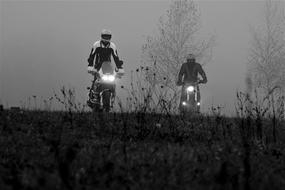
106, 96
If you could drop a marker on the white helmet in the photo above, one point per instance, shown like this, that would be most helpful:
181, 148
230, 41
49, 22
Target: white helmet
106, 35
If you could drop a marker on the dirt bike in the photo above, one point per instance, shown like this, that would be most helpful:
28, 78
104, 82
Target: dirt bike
102, 92
190, 102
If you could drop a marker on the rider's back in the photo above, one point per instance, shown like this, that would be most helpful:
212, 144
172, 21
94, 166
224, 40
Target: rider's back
191, 71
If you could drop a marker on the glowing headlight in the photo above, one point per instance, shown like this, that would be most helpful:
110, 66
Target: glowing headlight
198, 103
184, 103
108, 78
111, 78
190, 88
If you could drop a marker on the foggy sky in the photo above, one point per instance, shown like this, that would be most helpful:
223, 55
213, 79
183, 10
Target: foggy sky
45, 44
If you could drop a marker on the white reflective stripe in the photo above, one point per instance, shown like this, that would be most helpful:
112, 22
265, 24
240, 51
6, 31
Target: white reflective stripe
113, 46
95, 46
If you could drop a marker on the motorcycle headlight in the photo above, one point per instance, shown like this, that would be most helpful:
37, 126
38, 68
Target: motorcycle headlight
108, 78
111, 78
190, 88
198, 103
184, 103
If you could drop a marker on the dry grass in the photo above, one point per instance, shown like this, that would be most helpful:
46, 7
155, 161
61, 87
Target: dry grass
141, 149
84, 150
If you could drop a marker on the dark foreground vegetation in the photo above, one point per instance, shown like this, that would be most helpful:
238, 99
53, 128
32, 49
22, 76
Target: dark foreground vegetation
66, 150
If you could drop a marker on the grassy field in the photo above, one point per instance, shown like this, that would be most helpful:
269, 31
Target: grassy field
83, 150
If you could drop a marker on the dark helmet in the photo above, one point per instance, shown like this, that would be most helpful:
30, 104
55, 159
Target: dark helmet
106, 35
190, 57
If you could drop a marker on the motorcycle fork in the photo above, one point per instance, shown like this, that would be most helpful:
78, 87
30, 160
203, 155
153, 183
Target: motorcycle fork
112, 97
195, 96
96, 92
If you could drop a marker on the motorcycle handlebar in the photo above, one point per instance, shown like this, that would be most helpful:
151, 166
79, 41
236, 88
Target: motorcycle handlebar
98, 75
194, 83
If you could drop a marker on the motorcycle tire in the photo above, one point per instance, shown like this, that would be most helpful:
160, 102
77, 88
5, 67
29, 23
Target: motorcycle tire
106, 97
96, 108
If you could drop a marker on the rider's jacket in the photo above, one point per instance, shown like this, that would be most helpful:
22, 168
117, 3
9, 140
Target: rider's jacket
102, 52
189, 73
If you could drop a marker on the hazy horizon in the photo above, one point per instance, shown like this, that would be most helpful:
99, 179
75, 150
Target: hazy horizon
45, 44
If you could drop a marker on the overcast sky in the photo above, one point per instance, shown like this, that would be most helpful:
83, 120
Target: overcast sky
45, 44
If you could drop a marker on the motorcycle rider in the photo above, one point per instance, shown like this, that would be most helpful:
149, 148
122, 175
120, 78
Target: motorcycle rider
188, 73
101, 52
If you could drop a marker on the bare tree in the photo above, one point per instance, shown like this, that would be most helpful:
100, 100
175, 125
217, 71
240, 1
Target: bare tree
267, 54
266, 75
178, 35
